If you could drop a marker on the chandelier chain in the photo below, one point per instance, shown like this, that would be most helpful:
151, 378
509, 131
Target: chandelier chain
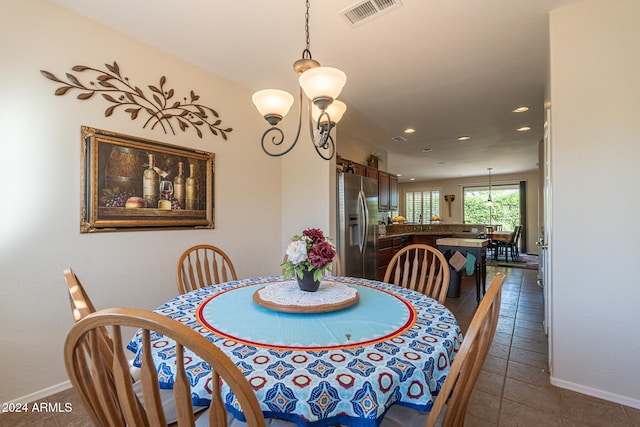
306, 29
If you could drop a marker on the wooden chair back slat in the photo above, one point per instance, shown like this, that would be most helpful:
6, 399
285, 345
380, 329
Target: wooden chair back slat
422, 268
106, 390
150, 388
203, 265
130, 406
465, 369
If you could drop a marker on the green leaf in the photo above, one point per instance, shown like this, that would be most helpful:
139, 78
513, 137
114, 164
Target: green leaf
317, 275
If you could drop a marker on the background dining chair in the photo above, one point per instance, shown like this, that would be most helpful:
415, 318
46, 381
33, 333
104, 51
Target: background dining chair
81, 307
509, 247
422, 268
463, 373
203, 265
107, 390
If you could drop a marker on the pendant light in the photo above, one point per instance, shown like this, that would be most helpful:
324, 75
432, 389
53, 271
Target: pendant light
489, 201
321, 85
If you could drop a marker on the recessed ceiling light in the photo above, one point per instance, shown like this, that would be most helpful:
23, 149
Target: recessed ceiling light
412, 179
521, 109
426, 150
464, 138
399, 174
523, 128
409, 130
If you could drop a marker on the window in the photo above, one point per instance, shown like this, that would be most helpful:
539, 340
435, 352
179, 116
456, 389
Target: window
421, 206
505, 210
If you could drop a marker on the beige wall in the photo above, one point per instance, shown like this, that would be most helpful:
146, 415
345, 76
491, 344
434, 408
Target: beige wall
455, 186
595, 106
256, 210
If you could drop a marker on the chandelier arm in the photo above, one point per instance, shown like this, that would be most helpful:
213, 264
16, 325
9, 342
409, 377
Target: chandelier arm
280, 134
328, 146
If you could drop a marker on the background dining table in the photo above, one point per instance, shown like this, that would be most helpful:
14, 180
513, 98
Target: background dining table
347, 367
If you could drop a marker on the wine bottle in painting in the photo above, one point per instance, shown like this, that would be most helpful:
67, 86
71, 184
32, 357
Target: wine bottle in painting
178, 185
150, 183
192, 201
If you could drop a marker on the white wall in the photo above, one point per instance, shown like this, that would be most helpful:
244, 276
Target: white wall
40, 175
595, 123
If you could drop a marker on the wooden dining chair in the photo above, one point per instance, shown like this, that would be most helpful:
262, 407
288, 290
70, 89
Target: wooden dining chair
107, 390
421, 268
463, 373
203, 265
81, 307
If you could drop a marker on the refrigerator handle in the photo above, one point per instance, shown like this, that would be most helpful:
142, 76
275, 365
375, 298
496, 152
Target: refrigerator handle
364, 223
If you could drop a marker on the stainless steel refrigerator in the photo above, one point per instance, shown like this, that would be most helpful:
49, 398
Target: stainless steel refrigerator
357, 223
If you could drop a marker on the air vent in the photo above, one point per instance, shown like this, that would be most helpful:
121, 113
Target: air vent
399, 138
365, 11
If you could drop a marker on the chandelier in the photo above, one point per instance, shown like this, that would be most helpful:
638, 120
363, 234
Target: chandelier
321, 85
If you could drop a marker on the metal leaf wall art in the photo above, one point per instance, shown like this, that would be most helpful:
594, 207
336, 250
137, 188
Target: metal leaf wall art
158, 105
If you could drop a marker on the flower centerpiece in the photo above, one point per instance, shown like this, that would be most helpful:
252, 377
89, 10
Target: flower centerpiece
308, 256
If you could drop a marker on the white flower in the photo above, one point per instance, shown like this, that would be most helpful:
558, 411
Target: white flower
297, 252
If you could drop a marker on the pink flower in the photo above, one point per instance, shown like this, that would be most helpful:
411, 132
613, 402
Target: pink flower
321, 254
315, 234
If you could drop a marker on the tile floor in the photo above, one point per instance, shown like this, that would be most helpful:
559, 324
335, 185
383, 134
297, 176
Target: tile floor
512, 390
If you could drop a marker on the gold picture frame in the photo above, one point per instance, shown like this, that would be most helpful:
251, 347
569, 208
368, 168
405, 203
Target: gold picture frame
120, 181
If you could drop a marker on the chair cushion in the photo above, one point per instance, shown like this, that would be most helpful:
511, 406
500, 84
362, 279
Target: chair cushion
401, 416
232, 421
168, 402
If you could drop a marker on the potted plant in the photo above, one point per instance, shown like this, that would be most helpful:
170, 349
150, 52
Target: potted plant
308, 256
372, 160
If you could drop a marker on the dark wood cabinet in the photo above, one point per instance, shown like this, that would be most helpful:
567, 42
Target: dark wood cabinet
384, 195
371, 172
388, 193
387, 248
429, 239
393, 193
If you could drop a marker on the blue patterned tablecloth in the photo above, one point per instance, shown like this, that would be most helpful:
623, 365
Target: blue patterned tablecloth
345, 367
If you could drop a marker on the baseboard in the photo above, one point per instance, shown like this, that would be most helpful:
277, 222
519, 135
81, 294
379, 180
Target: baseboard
41, 394
611, 397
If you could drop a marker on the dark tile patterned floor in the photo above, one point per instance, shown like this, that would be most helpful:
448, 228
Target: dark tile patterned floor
512, 390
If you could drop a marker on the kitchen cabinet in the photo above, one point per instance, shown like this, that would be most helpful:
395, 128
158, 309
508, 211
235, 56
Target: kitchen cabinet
371, 172
384, 195
429, 239
387, 248
393, 193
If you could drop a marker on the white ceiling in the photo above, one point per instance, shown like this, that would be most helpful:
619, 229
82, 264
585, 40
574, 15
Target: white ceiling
444, 67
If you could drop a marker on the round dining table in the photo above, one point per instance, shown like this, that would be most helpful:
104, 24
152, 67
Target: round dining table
345, 366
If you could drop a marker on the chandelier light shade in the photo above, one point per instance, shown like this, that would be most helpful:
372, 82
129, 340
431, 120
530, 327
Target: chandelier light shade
321, 85
335, 111
273, 104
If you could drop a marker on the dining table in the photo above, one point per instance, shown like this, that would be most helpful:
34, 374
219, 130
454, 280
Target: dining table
340, 356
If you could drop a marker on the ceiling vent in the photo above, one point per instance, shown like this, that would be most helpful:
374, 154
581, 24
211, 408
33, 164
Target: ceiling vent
365, 11
399, 139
